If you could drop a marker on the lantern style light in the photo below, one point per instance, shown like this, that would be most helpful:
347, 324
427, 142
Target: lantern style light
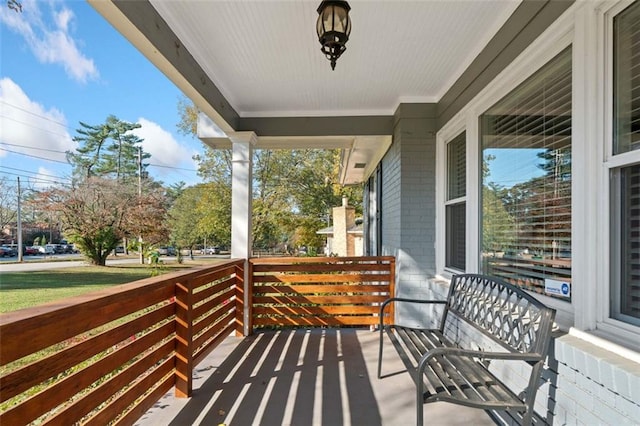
333, 28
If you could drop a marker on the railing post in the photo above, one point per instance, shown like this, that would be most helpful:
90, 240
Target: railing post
249, 298
184, 339
391, 319
244, 302
240, 277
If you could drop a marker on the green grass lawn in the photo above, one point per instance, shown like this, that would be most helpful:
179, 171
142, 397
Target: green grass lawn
20, 290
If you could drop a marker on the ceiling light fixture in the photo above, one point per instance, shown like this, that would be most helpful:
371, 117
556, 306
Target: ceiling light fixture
333, 28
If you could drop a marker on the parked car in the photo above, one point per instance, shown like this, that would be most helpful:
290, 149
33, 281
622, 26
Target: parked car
30, 251
8, 251
57, 248
166, 251
48, 249
68, 248
212, 250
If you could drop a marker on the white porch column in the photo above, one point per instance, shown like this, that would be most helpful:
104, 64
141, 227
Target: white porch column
241, 202
241, 193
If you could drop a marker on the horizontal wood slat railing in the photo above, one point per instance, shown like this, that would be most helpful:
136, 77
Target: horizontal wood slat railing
108, 356
319, 291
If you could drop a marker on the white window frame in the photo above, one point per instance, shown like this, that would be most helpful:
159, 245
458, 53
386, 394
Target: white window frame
587, 27
454, 128
606, 326
554, 40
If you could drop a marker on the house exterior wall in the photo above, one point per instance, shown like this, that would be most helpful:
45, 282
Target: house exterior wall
589, 377
408, 201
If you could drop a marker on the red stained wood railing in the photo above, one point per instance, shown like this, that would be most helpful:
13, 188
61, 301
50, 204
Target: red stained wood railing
319, 291
110, 355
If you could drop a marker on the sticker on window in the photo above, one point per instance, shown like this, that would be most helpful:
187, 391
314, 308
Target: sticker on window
557, 288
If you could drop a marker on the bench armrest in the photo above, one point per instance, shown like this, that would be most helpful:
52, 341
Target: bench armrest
405, 300
483, 355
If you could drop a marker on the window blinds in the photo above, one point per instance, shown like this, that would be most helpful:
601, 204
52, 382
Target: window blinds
526, 179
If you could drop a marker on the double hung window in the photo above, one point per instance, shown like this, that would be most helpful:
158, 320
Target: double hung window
455, 205
625, 174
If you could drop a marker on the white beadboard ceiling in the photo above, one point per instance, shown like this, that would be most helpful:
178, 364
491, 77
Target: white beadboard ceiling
265, 58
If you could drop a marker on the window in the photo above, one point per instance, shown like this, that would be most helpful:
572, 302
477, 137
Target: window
373, 219
526, 182
455, 205
625, 179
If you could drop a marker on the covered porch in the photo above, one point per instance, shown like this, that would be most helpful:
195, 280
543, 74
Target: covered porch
415, 103
318, 376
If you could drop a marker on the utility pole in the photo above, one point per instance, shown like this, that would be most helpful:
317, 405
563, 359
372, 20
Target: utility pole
19, 230
139, 196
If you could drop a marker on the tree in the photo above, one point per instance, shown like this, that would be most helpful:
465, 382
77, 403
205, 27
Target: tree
214, 212
98, 212
14, 5
122, 154
188, 117
148, 217
107, 150
8, 203
293, 190
185, 217
498, 226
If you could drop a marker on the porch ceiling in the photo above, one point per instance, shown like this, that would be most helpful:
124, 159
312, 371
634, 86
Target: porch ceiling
248, 64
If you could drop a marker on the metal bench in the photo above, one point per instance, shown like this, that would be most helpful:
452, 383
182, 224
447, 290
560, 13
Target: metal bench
483, 322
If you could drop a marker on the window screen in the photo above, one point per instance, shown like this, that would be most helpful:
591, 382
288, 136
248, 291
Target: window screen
526, 182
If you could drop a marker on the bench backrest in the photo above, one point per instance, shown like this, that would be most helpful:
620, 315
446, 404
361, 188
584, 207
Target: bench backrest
502, 311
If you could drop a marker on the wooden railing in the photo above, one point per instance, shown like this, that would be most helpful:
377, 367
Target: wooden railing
106, 357
109, 356
325, 291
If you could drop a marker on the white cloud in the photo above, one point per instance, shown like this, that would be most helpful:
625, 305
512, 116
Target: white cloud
28, 127
163, 147
50, 39
45, 179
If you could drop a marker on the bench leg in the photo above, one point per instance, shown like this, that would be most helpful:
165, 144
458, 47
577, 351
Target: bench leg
419, 395
419, 401
380, 353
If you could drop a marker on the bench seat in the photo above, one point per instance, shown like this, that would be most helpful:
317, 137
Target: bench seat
451, 376
485, 325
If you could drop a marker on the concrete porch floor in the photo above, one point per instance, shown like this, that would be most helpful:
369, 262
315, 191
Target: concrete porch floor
303, 377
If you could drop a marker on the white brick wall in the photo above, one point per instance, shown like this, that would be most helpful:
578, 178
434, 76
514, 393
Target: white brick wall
595, 386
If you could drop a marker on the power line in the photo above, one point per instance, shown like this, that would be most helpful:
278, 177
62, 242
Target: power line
85, 156
33, 147
34, 127
32, 179
33, 173
171, 167
33, 156
34, 114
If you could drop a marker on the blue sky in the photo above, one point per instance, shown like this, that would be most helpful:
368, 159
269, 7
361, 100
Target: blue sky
62, 63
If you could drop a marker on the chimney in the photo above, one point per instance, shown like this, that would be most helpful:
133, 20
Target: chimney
344, 218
